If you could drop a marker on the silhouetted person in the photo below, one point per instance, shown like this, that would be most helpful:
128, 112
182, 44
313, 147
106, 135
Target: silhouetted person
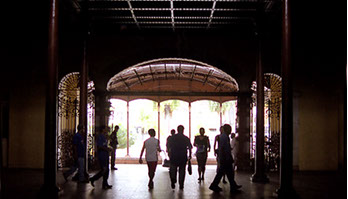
225, 162
151, 146
216, 151
103, 157
203, 147
113, 144
79, 154
179, 145
234, 148
169, 138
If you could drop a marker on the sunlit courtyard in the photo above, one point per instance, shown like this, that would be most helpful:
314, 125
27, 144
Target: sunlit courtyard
144, 114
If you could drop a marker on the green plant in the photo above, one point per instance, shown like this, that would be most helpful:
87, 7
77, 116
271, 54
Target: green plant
122, 137
215, 106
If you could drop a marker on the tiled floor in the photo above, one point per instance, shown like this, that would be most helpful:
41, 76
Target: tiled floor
130, 181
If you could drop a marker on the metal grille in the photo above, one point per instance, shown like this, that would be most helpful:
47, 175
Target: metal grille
175, 14
68, 114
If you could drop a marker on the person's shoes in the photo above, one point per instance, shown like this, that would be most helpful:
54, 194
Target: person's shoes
215, 188
92, 182
114, 168
173, 185
181, 187
106, 186
224, 181
202, 178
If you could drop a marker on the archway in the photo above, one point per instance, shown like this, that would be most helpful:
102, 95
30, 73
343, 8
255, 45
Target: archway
68, 114
174, 80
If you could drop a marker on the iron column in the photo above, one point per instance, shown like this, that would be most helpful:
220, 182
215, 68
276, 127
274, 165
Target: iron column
50, 188
286, 189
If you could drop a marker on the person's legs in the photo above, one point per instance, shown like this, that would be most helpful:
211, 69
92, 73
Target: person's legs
72, 169
172, 173
81, 162
217, 170
113, 159
199, 163
105, 177
97, 175
182, 172
152, 168
230, 177
112, 163
104, 171
204, 162
215, 184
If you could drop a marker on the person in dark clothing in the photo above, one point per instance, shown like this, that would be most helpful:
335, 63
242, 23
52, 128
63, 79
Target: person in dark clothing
225, 163
103, 157
179, 145
203, 147
169, 138
113, 144
79, 154
216, 151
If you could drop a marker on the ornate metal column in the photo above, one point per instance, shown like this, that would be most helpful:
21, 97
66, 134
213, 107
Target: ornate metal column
220, 114
83, 97
127, 128
159, 119
259, 175
190, 120
243, 129
286, 189
49, 188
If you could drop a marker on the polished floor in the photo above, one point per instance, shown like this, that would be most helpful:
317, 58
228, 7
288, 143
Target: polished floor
130, 182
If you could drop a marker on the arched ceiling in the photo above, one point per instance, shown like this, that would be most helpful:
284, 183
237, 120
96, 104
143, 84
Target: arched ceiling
169, 78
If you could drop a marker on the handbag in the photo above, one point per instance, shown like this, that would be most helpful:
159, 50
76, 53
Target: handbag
189, 167
166, 161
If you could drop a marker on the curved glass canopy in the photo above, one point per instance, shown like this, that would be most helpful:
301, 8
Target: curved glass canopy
168, 78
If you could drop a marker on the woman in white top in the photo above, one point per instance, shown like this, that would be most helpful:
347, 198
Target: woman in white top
152, 146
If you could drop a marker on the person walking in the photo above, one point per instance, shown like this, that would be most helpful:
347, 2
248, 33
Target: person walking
234, 148
103, 157
179, 145
169, 138
216, 152
79, 154
151, 146
113, 144
203, 147
225, 163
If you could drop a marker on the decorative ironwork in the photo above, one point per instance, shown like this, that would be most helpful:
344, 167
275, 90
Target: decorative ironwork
273, 94
272, 91
68, 114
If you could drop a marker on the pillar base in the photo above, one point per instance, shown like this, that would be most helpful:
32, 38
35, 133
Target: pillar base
286, 193
259, 178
